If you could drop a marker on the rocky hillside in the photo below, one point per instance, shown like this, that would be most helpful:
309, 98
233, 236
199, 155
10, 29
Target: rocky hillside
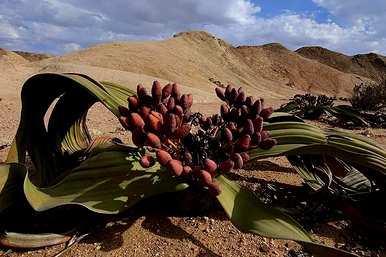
10, 60
32, 57
372, 66
202, 61
197, 58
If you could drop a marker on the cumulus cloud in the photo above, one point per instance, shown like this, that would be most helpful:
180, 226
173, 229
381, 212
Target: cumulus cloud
357, 13
295, 30
59, 26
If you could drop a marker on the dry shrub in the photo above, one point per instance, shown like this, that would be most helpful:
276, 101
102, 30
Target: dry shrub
369, 96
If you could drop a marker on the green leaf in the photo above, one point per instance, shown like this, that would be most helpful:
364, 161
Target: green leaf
347, 113
250, 215
66, 132
108, 182
11, 177
283, 116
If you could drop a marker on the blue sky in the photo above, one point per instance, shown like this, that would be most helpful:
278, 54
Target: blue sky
272, 8
60, 26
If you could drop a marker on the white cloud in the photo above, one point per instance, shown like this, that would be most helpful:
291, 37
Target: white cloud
51, 24
295, 31
354, 9
59, 26
71, 47
242, 12
7, 31
368, 14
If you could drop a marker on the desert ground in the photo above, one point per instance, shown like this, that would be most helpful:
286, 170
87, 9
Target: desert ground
198, 62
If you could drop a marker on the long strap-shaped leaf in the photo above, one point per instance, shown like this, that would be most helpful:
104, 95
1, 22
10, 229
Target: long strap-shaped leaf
108, 182
106, 171
77, 93
66, 129
250, 215
295, 138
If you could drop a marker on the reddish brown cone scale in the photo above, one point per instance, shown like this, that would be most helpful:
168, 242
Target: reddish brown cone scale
227, 92
154, 123
136, 121
224, 109
206, 177
248, 127
171, 104
258, 124
190, 100
145, 111
257, 138
220, 93
267, 143
176, 93
186, 170
228, 135
156, 92
163, 157
178, 110
175, 167
244, 156
123, 111
249, 101
167, 91
158, 115
147, 161
257, 107
182, 131
226, 166
133, 102
162, 109
210, 166
241, 98
238, 160
141, 92
233, 95
266, 113
184, 102
152, 140
243, 142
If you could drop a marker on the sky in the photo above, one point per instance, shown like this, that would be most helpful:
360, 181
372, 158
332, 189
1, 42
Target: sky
60, 26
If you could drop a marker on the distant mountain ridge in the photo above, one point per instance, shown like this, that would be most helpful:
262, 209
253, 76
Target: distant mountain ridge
192, 58
369, 65
33, 57
200, 60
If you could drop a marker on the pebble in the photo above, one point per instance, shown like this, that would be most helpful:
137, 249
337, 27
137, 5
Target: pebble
264, 248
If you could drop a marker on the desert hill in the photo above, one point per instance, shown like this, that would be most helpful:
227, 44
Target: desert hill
192, 58
10, 60
199, 62
369, 65
289, 69
33, 57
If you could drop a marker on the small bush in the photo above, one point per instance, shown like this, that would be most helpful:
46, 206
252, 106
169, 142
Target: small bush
369, 96
308, 106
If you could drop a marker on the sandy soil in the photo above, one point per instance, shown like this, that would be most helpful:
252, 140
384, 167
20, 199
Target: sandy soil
158, 227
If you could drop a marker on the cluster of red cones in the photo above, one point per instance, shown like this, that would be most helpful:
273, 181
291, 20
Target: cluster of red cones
189, 144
